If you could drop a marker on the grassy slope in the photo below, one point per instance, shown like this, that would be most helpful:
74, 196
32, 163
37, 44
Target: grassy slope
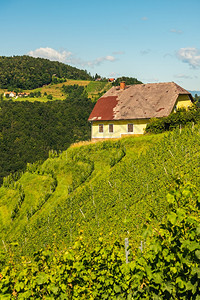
92, 87
115, 199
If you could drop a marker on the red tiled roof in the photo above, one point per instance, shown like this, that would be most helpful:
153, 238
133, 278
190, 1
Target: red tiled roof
104, 108
139, 101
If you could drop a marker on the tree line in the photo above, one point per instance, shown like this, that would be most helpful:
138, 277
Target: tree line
26, 72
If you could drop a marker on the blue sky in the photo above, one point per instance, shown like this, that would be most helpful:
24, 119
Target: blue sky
154, 41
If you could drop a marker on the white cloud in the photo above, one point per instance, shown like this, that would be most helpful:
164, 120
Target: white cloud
73, 60
50, 54
99, 60
68, 57
183, 76
145, 52
176, 31
114, 75
150, 79
118, 52
190, 56
168, 55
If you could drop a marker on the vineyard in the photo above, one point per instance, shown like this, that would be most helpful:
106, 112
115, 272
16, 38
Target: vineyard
82, 204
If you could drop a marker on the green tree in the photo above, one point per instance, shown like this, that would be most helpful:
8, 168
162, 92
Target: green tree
25, 72
50, 97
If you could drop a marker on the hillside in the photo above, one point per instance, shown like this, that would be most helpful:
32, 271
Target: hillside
110, 188
26, 72
94, 89
28, 131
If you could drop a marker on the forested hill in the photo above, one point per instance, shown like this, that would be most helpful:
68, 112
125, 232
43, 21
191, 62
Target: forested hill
26, 72
29, 130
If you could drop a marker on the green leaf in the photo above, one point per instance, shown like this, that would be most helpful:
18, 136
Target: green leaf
193, 246
173, 270
170, 198
198, 230
180, 282
64, 296
19, 286
53, 288
158, 277
180, 213
197, 253
169, 287
5, 297
42, 278
117, 288
172, 218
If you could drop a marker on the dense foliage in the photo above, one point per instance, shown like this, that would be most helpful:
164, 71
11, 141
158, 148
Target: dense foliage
167, 268
180, 118
197, 100
29, 130
26, 72
73, 91
128, 80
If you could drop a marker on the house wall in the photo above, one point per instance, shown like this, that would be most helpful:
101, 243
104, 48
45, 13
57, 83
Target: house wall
183, 101
120, 128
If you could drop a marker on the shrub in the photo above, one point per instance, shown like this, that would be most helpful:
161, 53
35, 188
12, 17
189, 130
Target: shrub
181, 117
50, 97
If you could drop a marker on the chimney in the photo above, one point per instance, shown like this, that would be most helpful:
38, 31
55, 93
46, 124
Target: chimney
122, 85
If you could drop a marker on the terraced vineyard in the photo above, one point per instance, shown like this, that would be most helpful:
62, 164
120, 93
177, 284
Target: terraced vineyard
106, 191
110, 187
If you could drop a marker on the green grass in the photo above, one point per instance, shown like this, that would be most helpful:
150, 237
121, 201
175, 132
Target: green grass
97, 86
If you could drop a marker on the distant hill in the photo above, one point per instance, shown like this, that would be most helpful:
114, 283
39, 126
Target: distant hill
128, 80
194, 92
26, 72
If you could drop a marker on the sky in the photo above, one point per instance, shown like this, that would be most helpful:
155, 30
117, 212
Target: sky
151, 40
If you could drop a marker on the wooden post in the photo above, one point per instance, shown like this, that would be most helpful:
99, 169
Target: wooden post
4, 245
142, 245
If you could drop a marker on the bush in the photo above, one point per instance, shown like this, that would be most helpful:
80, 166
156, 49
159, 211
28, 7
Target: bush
50, 97
181, 117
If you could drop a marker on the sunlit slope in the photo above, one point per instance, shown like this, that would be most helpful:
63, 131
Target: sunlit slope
94, 90
111, 187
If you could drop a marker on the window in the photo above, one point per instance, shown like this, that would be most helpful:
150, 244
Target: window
130, 127
100, 127
110, 127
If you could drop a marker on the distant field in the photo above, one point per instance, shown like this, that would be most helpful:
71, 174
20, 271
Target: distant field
93, 88
97, 86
